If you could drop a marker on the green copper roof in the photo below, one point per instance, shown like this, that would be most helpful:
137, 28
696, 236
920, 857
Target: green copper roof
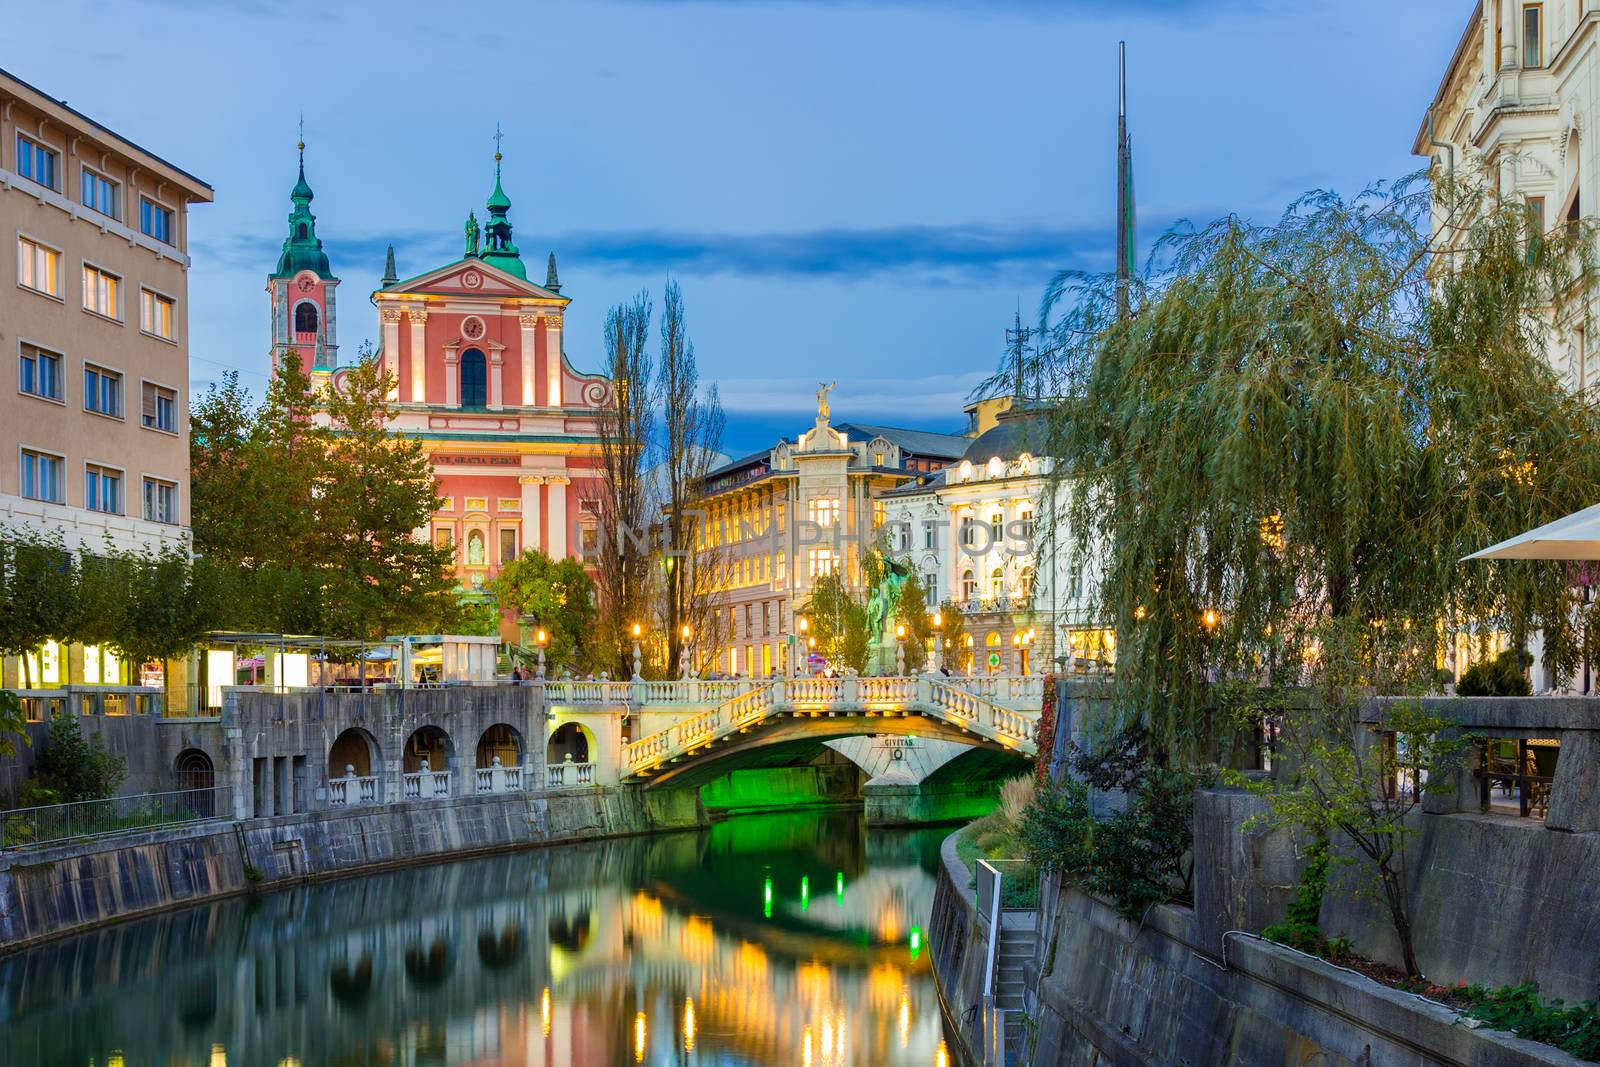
498, 247
302, 249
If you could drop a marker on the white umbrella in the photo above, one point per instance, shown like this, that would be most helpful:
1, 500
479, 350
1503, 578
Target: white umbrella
1575, 537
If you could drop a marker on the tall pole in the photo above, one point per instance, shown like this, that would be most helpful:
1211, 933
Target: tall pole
1125, 251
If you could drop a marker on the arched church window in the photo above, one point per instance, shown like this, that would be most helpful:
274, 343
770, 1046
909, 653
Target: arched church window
305, 318
301, 232
474, 380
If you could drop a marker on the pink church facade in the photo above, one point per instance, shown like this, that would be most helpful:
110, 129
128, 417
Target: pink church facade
481, 380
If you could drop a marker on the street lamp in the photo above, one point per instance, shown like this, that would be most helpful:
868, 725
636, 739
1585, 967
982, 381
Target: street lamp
683, 650
900, 649
540, 638
638, 632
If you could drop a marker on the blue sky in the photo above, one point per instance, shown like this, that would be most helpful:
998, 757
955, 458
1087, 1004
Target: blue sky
860, 190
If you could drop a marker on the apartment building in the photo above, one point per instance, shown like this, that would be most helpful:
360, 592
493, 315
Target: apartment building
94, 431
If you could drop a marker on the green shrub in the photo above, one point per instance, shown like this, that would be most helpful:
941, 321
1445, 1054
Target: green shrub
1503, 676
1518, 1010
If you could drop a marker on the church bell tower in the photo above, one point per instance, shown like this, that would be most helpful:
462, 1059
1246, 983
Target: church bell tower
302, 288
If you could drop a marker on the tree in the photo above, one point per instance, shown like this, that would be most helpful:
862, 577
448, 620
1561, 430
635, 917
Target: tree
1364, 791
952, 634
912, 613
624, 506
838, 623
692, 425
557, 596
379, 488
40, 599
1312, 422
69, 769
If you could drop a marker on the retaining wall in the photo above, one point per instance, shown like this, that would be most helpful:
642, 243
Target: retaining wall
53, 892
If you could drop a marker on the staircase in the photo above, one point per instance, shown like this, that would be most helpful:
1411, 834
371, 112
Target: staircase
1011, 955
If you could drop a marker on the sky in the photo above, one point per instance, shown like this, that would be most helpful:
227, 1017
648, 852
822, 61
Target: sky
864, 191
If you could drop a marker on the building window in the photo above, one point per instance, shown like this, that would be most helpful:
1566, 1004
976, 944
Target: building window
41, 476
305, 318
997, 523
443, 537
156, 221
160, 501
1075, 582
969, 585
36, 162
927, 534
1025, 584
102, 292
155, 313
38, 267
508, 545
102, 489
159, 408
821, 561
39, 372
1532, 35
1025, 519
99, 193
930, 588
102, 391
824, 511
474, 380
997, 583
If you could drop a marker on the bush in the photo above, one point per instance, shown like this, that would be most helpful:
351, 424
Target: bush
70, 769
1518, 1009
1503, 676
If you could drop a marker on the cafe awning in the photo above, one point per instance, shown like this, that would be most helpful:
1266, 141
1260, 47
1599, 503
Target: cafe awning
1577, 536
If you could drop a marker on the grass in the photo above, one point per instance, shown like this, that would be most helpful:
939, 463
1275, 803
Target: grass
994, 837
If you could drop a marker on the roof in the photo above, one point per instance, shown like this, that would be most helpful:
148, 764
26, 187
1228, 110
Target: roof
199, 188
1008, 438
1420, 146
926, 484
918, 442
743, 461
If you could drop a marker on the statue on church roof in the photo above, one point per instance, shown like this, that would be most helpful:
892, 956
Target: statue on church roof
552, 281
823, 410
472, 233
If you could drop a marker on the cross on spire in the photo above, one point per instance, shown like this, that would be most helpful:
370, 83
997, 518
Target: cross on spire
498, 137
302, 145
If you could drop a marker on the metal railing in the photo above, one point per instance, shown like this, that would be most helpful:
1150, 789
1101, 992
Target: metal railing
52, 823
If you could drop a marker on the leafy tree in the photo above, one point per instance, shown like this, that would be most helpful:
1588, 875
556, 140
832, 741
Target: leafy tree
12, 722
838, 623
912, 613
69, 769
557, 596
40, 598
1503, 676
952, 635
1364, 792
379, 488
1311, 422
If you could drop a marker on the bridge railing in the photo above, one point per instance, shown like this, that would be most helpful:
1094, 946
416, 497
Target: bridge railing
815, 690
571, 691
1016, 690
889, 690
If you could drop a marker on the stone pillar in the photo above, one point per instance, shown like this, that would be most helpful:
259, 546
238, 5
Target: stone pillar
1510, 34
419, 355
558, 517
496, 362
530, 357
451, 373
531, 536
1575, 793
391, 349
553, 361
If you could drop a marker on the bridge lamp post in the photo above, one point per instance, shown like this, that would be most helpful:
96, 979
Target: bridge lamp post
540, 639
638, 633
938, 621
806, 645
900, 649
683, 650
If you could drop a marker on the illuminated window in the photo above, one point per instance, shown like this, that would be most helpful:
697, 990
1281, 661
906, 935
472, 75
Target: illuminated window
443, 537
997, 583
824, 511
155, 314
102, 292
969, 585
821, 561
38, 267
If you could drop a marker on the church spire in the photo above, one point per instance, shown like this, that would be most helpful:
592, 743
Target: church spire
498, 247
552, 281
302, 249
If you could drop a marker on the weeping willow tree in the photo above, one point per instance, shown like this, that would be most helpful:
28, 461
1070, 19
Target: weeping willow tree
1278, 459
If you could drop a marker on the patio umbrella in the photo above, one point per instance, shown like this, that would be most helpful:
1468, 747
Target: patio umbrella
1575, 537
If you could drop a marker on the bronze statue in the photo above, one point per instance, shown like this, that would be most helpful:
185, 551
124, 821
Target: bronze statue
472, 233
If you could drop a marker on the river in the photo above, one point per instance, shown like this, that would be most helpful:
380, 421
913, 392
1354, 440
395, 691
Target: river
791, 939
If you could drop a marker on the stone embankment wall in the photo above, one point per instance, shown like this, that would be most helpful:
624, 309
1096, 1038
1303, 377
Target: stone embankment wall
1106, 991
51, 892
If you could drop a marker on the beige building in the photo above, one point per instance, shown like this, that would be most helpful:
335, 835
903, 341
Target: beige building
94, 311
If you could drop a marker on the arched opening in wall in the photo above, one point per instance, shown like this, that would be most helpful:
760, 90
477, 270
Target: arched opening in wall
301, 232
997, 583
969, 585
428, 966
993, 658
570, 739
477, 554
427, 749
498, 950
502, 742
305, 317
353, 752
474, 379
1025, 584
351, 983
570, 932
196, 778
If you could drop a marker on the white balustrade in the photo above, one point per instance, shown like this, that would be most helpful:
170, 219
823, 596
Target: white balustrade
352, 789
497, 779
426, 785
564, 775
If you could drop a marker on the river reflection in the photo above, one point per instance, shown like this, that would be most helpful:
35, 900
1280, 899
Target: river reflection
793, 940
